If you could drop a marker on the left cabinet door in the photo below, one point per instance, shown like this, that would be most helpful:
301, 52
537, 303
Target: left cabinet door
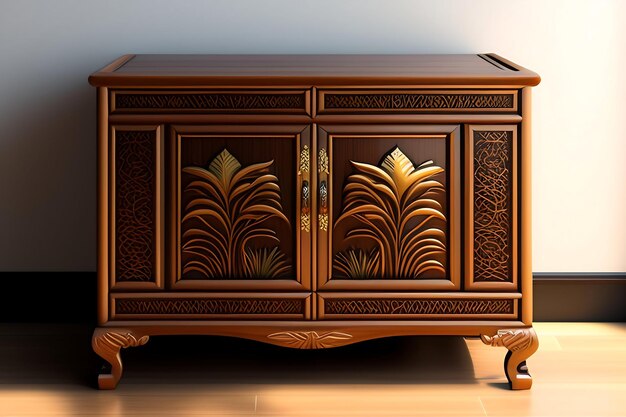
239, 207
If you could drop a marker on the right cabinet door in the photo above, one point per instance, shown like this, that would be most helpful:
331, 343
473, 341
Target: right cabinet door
388, 208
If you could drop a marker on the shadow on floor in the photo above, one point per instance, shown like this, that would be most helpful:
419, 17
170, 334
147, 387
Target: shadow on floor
40, 354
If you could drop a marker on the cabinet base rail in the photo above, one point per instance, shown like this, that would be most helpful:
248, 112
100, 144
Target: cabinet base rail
520, 340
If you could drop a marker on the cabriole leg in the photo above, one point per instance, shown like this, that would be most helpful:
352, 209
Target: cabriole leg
521, 343
107, 342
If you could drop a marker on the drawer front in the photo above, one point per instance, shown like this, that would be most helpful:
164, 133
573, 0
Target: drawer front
136, 207
417, 306
210, 101
210, 306
416, 101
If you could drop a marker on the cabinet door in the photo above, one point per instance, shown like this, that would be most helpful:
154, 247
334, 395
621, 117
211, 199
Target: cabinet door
240, 207
388, 207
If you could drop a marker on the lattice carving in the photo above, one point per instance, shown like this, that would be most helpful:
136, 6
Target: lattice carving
421, 306
322, 161
305, 159
135, 205
210, 101
230, 208
492, 206
310, 339
416, 101
322, 220
185, 306
398, 208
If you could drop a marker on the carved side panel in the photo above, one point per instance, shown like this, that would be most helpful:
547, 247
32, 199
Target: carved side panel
137, 212
493, 205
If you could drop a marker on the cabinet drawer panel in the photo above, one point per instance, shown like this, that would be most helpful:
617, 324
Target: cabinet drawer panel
417, 306
207, 306
416, 101
210, 101
136, 207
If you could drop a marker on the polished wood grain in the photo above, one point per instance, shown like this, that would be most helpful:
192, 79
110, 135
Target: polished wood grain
196, 145
47, 371
306, 117
369, 144
298, 70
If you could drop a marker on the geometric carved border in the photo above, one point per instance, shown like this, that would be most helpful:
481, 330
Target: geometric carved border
413, 307
288, 101
417, 101
222, 306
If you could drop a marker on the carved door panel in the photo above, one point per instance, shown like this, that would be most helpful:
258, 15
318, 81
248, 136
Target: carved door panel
388, 207
240, 209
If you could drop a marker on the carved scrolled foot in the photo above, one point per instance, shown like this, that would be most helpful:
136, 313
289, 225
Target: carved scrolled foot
107, 344
521, 343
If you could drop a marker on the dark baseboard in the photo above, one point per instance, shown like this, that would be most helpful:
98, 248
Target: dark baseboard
48, 297
71, 297
579, 296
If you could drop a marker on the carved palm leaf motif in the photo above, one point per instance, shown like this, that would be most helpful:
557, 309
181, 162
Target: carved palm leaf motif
357, 263
396, 206
229, 209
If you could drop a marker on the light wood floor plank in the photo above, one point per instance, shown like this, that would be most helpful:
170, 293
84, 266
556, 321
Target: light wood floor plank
579, 370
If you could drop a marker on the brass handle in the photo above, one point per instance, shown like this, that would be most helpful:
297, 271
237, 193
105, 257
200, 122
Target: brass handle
323, 198
306, 194
323, 170
305, 209
322, 216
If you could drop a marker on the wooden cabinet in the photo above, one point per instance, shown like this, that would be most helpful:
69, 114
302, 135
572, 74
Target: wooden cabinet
314, 201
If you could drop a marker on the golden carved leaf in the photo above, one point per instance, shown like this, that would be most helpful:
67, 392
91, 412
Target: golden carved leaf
229, 209
224, 167
398, 208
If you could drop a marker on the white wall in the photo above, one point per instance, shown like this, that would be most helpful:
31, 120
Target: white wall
47, 109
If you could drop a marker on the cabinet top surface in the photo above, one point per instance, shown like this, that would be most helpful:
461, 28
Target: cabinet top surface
299, 70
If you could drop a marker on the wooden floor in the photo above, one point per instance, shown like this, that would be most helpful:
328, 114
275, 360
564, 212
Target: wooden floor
48, 370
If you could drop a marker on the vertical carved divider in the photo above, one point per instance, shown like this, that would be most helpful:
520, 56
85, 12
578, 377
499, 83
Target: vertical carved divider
491, 212
136, 206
